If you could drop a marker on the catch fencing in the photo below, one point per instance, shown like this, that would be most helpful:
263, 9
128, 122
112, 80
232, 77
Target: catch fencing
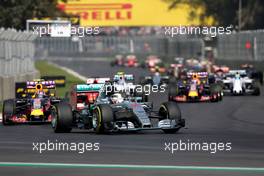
243, 46
109, 46
16, 60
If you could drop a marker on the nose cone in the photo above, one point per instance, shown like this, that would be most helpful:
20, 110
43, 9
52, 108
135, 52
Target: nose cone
237, 89
193, 93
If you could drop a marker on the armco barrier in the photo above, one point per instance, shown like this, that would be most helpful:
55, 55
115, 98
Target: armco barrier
16, 60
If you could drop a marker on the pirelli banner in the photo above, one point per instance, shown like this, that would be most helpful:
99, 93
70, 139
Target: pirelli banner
60, 81
130, 12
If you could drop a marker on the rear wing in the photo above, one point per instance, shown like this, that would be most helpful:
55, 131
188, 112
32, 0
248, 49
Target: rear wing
131, 56
241, 72
92, 85
223, 69
176, 65
60, 80
41, 84
128, 77
97, 80
197, 74
232, 73
88, 87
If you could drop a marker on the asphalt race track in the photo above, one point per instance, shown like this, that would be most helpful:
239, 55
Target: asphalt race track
236, 120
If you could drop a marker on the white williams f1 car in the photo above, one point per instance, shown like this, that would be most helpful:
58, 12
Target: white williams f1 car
236, 82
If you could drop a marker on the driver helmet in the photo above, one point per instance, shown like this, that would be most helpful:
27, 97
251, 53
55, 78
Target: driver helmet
40, 94
156, 73
237, 76
121, 80
157, 69
117, 98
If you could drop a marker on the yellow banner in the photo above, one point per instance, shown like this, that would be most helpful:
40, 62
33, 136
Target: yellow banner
129, 13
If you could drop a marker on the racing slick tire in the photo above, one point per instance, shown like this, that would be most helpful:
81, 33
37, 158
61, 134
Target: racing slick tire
215, 92
261, 77
141, 80
172, 81
144, 81
62, 118
258, 76
173, 92
9, 108
143, 65
103, 117
113, 63
170, 110
66, 97
256, 88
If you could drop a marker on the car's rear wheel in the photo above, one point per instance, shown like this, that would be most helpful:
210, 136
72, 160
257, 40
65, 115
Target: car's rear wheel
103, 118
256, 89
66, 96
141, 80
170, 110
113, 63
215, 92
173, 92
62, 118
9, 109
172, 81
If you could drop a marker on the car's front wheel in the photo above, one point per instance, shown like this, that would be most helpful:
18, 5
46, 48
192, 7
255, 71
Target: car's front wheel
173, 92
103, 118
256, 89
170, 110
9, 108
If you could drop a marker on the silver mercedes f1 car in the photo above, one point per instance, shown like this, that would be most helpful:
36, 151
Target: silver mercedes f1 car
93, 107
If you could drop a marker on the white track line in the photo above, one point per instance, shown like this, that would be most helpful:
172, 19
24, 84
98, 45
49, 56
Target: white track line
70, 71
128, 166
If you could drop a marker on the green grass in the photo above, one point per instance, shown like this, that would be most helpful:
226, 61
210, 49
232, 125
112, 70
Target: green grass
47, 69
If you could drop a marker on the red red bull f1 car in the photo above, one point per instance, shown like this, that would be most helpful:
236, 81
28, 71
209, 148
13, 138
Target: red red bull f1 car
196, 88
